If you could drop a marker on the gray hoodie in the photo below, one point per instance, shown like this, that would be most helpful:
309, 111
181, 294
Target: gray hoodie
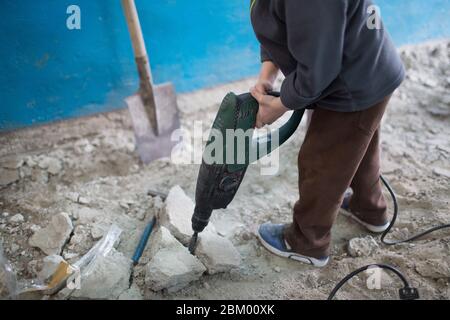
328, 52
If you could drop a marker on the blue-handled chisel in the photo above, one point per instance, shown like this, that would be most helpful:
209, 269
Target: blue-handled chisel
143, 241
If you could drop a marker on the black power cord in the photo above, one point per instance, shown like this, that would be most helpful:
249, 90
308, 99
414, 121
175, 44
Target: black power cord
407, 292
394, 218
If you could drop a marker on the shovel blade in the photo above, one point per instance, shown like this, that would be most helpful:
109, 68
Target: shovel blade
149, 145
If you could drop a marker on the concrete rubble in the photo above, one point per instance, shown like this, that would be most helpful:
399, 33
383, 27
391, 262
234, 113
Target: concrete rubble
362, 247
176, 216
88, 215
52, 238
98, 231
97, 180
442, 172
17, 218
84, 200
165, 265
133, 293
12, 163
217, 253
73, 196
171, 267
79, 241
8, 176
52, 165
433, 268
109, 278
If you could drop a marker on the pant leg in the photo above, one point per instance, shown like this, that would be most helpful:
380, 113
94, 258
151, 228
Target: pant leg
332, 151
367, 201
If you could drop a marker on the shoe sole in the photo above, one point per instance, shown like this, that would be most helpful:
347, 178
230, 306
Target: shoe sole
294, 256
370, 227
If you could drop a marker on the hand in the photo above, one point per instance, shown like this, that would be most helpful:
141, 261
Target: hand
266, 78
263, 86
270, 108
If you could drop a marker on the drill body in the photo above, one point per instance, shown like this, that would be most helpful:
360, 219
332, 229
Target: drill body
219, 180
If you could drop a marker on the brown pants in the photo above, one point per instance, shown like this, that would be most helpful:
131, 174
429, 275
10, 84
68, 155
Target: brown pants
339, 150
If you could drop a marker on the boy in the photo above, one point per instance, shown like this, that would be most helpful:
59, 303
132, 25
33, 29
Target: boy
346, 70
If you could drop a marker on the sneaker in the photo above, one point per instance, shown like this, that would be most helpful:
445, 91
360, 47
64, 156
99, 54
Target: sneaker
272, 238
348, 213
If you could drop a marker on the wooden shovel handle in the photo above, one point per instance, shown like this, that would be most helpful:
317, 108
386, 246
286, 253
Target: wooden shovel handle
137, 38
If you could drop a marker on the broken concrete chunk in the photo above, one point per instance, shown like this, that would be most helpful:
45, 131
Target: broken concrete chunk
55, 167
84, 200
33, 267
433, 268
52, 165
73, 196
124, 205
8, 176
52, 238
34, 227
172, 267
442, 172
70, 255
173, 270
131, 294
12, 164
31, 162
88, 215
50, 264
14, 247
17, 218
108, 279
39, 176
80, 240
217, 253
177, 215
439, 111
98, 230
159, 239
362, 247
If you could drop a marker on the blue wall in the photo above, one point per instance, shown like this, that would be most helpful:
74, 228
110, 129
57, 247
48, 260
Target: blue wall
49, 72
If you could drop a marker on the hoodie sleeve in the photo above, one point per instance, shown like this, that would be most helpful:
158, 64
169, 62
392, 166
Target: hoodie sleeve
265, 55
315, 38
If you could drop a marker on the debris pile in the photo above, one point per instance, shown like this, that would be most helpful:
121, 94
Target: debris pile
52, 238
170, 265
110, 277
91, 171
362, 247
217, 253
166, 263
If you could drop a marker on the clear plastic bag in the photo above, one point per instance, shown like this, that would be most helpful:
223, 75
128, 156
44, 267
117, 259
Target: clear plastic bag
100, 249
8, 279
11, 288
84, 267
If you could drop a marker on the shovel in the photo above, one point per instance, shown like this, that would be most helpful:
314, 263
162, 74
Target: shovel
153, 109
